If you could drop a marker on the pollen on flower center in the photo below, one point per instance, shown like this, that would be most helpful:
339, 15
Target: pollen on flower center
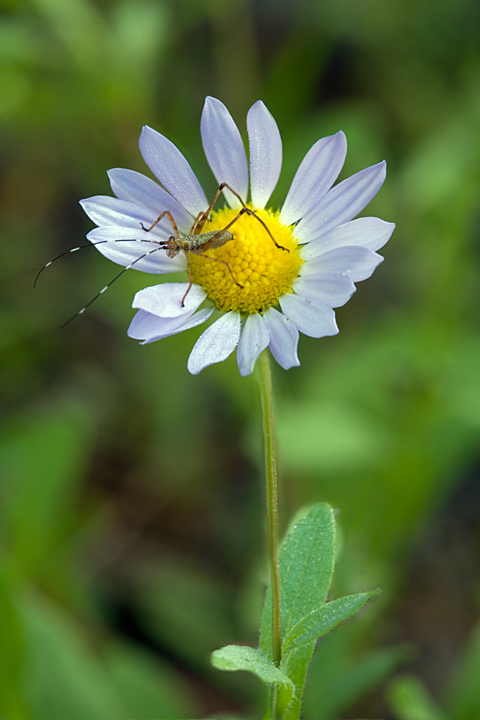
264, 271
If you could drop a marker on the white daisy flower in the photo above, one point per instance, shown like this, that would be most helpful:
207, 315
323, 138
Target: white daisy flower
266, 295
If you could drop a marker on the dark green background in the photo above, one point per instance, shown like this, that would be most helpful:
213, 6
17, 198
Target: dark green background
131, 540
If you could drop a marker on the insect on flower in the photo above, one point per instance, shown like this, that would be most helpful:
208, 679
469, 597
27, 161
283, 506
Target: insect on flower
195, 242
261, 296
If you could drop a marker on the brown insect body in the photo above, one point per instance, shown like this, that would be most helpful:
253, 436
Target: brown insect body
197, 242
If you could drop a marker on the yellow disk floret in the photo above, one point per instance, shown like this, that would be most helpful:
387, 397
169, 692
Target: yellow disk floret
264, 271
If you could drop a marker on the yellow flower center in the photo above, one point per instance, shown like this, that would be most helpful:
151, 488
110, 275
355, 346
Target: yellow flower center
264, 271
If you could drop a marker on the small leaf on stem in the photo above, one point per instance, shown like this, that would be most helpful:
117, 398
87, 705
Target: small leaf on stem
320, 621
242, 657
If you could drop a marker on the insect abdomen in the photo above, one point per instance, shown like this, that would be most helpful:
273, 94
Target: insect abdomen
209, 240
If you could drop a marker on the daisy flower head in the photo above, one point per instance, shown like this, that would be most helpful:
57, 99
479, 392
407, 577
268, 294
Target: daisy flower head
272, 274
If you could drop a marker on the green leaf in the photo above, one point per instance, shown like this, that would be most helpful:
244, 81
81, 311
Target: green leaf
341, 673
12, 651
463, 694
320, 621
63, 677
147, 686
295, 665
409, 700
186, 609
41, 463
242, 657
306, 568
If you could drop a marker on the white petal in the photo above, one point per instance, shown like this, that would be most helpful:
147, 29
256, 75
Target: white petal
146, 326
342, 202
317, 172
105, 210
150, 328
283, 338
169, 165
224, 149
255, 338
165, 300
369, 232
135, 187
311, 317
216, 343
196, 319
114, 244
357, 262
334, 289
265, 153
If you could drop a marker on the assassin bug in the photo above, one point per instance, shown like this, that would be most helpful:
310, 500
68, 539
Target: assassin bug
195, 242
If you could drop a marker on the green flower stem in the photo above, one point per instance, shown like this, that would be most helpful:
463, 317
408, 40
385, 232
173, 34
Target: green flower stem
266, 393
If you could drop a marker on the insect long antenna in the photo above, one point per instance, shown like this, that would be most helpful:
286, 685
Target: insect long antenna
87, 245
104, 289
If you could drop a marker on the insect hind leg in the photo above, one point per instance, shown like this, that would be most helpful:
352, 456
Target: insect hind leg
202, 218
247, 211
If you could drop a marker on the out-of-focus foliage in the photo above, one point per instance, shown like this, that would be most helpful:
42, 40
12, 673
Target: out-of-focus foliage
410, 700
131, 496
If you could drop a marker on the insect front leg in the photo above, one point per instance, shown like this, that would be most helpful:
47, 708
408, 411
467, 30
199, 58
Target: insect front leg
202, 218
198, 219
189, 278
224, 185
165, 213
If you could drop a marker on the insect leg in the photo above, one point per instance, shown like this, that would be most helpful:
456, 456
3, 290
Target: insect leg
246, 210
189, 277
193, 230
226, 185
203, 217
172, 222
224, 262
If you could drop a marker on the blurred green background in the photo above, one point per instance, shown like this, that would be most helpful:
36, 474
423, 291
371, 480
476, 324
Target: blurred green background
131, 496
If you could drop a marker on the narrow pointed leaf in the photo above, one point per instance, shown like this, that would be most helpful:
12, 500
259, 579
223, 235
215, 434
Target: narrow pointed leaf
410, 700
319, 622
241, 657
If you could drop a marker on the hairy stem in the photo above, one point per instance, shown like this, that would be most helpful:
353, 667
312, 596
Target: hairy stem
266, 393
